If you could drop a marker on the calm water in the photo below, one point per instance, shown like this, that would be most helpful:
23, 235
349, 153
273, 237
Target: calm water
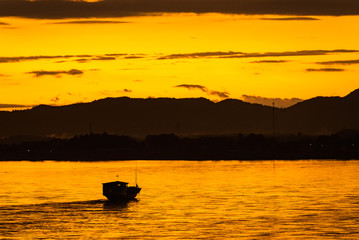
181, 200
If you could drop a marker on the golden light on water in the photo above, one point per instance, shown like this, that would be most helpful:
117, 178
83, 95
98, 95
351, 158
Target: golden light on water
182, 199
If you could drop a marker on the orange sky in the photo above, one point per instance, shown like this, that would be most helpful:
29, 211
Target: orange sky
217, 56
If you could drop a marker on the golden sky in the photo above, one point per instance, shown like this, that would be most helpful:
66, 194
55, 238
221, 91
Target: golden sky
69, 59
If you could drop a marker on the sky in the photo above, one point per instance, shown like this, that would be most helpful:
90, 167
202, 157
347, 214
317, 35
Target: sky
60, 52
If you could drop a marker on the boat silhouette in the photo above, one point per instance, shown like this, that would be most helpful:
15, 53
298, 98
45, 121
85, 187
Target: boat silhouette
119, 191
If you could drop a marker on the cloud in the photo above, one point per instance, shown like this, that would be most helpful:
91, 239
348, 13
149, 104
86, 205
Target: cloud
4, 23
102, 58
270, 61
90, 22
97, 58
55, 99
256, 55
116, 54
61, 9
200, 55
222, 95
192, 86
110, 93
4, 106
133, 57
34, 58
325, 70
340, 62
56, 73
278, 102
291, 19
81, 58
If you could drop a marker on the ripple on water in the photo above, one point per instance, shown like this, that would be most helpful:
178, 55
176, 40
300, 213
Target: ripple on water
183, 200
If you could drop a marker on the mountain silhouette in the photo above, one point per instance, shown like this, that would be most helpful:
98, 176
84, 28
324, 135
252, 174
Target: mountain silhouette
187, 117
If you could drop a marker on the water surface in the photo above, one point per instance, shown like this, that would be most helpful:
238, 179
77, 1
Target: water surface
181, 200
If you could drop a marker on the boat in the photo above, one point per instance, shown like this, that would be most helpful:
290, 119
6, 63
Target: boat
119, 191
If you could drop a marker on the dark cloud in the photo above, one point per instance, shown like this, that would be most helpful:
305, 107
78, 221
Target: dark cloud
83, 58
79, 58
291, 19
219, 94
200, 55
56, 73
133, 57
270, 61
115, 54
60, 9
192, 86
256, 55
325, 70
2, 106
293, 53
34, 58
90, 22
108, 57
102, 58
97, 58
4, 23
340, 62
278, 102
55, 99
115, 92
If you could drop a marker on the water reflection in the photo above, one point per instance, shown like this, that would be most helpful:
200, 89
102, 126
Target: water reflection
118, 205
183, 200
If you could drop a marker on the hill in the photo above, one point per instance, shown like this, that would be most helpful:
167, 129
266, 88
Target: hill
186, 117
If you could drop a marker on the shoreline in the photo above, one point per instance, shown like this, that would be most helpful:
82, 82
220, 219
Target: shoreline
105, 147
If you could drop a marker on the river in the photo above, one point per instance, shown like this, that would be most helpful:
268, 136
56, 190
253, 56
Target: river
311, 199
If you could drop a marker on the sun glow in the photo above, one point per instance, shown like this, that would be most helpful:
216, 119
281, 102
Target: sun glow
133, 56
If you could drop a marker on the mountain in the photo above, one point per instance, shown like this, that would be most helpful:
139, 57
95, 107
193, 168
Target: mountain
195, 116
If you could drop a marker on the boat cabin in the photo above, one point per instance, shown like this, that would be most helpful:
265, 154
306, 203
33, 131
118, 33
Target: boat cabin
114, 187
115, 183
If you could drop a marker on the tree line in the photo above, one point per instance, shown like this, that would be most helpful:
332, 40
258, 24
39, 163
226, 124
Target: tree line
94, 147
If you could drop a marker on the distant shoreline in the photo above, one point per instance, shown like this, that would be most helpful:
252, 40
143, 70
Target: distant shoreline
253, 147
184, 160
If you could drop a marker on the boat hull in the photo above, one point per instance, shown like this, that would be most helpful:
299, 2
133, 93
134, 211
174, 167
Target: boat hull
130, 194
119, 191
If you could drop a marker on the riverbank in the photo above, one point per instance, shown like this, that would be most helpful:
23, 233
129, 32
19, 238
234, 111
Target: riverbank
93, 147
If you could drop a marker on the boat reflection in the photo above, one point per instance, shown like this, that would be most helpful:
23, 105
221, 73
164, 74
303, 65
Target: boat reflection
118, 205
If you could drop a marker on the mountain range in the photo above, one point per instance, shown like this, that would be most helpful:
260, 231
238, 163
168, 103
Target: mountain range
186, 117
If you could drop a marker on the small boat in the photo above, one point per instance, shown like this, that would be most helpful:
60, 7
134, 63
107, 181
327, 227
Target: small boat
119, 191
